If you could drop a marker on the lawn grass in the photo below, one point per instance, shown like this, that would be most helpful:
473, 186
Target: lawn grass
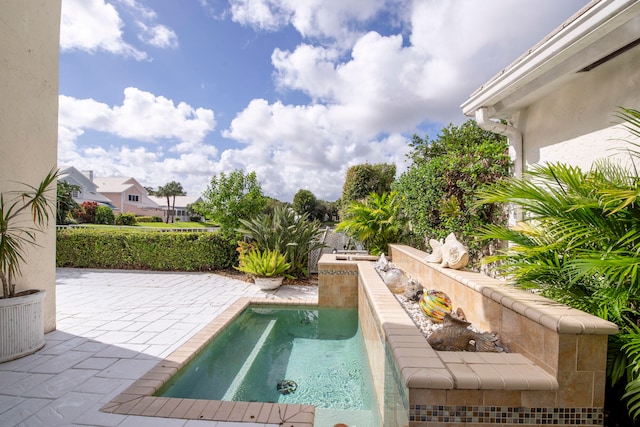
157, 225
178, 224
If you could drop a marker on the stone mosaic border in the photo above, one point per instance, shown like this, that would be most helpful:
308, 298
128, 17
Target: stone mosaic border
506, 415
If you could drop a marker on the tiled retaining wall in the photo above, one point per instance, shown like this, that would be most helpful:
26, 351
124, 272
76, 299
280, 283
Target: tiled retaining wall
337, 279
554, 374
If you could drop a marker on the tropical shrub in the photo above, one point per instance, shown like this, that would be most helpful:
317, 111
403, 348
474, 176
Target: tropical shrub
580, 245
439, 189
362, 180
86, 213
266, 263
127, 218
23, 215
65, 204
144, 250
375, 222
284, 231
104, 215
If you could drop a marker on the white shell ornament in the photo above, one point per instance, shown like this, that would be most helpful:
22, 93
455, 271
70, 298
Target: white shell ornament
451, 253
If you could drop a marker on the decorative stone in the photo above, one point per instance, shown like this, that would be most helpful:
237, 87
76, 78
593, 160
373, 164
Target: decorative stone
382, 264
395, 280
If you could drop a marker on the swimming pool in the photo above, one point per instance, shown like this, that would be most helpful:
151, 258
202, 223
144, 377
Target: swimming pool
298, 355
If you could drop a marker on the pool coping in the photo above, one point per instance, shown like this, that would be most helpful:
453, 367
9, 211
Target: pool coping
138, 399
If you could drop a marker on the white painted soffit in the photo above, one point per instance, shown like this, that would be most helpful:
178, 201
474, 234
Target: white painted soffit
599, 29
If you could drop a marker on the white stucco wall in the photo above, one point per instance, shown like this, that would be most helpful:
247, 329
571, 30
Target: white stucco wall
576, 124
29, 30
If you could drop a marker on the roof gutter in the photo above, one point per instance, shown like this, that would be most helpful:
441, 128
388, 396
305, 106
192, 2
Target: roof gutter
514, 136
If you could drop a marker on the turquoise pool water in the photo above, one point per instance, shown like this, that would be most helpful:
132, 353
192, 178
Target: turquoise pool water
287, 355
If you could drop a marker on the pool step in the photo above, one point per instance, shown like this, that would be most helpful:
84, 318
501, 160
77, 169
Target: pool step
242, 373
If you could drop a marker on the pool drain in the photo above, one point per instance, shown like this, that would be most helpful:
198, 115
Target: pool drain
286, 386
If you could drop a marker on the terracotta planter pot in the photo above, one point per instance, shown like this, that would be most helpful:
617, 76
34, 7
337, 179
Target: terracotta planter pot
21, 325
268, 283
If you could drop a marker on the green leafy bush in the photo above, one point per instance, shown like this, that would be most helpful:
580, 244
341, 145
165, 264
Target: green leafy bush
126, 219
439, 189
144, 250
104, 215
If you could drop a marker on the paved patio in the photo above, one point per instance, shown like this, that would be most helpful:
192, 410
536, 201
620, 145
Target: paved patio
113, 326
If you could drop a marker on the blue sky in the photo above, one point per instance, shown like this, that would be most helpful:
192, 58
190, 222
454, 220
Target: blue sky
297, 91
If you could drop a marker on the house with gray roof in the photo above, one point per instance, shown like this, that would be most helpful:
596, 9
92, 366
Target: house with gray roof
87, 190
127, 195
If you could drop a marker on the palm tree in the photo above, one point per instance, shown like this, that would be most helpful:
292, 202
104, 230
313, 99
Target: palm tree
375, 221
171, 190
23, 214
580, 244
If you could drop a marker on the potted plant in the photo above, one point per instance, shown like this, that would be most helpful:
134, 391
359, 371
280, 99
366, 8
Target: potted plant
268, 267
23, 214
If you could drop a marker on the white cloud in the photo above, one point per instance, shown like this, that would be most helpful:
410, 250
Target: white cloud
331, 19
157, 35
93, 25
364, 105
142, 116
294, 147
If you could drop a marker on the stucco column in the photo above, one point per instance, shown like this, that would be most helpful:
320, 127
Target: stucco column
30, 34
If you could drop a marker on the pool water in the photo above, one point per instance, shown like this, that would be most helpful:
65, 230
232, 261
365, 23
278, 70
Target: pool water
286, 355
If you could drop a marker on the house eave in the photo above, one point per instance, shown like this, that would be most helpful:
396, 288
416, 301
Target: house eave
597, 30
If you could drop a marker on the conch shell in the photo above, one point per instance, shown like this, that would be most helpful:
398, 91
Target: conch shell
451, 253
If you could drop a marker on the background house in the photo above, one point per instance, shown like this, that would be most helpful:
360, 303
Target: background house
561, 96
181, 213
127, 195
88, 191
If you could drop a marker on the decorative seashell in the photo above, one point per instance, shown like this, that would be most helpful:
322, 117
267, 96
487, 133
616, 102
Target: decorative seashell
436, 251
436, 304
454, 254
450, 254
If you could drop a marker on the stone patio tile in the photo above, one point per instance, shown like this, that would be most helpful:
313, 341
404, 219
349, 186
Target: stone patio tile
60, 384
22, 411
93, 417
128, 369
61, 362
63, 410
8, 402
28, 382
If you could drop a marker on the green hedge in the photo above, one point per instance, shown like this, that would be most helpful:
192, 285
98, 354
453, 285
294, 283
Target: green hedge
144, 250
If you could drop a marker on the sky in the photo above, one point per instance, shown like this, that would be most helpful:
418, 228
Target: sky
296, 91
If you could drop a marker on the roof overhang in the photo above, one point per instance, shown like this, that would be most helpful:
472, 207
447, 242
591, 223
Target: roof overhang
596, 33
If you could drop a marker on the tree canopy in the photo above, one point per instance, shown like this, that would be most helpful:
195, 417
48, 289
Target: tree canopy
170, 191
438, 190
305, 201
362, 180
230, 198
